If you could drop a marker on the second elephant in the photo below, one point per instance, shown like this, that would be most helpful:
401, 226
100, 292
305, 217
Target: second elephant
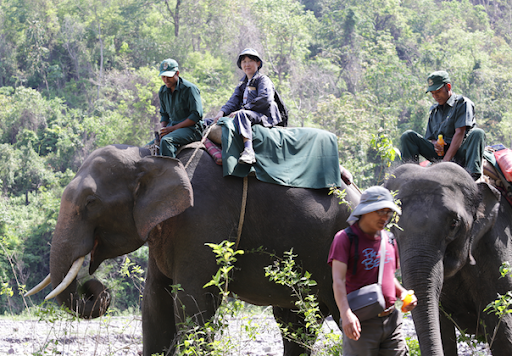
455, 235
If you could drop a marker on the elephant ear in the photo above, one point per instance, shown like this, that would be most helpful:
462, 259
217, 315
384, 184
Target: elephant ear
486, 215
163, 191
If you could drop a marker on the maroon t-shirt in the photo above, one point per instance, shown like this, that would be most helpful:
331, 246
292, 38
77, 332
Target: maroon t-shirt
367, 263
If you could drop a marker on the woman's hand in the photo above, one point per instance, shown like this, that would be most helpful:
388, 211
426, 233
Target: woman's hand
218, 116
234, 113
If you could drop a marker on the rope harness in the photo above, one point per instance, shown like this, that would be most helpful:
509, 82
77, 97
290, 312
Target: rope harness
205, 136
244, 190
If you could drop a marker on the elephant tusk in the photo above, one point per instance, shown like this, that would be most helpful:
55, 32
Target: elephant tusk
39, 287
73, 271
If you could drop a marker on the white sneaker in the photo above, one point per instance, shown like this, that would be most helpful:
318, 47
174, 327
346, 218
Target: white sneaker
247, 157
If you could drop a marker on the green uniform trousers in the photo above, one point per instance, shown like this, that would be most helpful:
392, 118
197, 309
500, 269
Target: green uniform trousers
170, 143
469, 155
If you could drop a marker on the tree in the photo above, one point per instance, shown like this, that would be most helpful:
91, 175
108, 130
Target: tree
286, 32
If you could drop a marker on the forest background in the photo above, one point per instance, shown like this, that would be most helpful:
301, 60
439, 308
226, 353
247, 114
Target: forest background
78, 75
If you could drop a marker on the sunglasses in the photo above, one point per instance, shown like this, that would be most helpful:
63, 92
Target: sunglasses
387, 213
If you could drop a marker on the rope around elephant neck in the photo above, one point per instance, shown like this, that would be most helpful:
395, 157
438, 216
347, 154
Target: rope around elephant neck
205, 136
242, 211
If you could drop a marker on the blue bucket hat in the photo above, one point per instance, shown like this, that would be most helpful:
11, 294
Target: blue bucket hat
373, 199
248, 52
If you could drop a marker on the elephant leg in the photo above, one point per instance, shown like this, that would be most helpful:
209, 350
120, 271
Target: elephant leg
158, 323
197, 303
501, 343
448, 337
293, 321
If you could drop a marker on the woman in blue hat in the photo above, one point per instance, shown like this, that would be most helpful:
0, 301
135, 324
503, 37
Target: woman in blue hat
251, 103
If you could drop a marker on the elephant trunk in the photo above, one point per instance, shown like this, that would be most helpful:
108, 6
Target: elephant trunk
427, 283
91, 299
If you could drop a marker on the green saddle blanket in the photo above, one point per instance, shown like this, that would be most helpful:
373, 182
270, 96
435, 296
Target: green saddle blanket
294, 157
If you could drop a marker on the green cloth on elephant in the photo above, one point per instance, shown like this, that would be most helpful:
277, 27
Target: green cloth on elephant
294, 157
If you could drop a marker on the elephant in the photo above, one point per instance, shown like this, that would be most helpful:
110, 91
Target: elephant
122, 197
454, 235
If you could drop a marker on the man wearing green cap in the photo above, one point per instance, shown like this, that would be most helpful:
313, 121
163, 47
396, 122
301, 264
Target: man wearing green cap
180, 109
452, 117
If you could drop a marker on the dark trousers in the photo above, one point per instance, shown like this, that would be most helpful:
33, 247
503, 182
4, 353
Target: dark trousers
244, 119
469, 155
379, 337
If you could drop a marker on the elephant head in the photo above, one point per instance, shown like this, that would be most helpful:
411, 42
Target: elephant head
444, 216
117, 197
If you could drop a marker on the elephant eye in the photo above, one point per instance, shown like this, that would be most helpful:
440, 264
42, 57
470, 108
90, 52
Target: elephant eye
90, 200
455, 225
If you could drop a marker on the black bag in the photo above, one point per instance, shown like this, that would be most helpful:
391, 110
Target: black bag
283, 110
367, 302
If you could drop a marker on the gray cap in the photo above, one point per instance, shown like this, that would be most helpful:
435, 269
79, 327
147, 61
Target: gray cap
373, 199
248, 52
168, 68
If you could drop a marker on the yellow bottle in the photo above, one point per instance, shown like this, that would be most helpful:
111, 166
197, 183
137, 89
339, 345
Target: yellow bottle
440, 141
407, 299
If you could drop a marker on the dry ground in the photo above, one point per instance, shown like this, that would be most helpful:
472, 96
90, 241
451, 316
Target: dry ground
254, 334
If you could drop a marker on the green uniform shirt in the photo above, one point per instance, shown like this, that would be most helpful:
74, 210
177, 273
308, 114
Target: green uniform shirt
457, 112
184, 103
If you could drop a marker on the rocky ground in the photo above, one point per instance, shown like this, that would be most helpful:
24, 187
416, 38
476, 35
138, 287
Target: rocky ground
253, 334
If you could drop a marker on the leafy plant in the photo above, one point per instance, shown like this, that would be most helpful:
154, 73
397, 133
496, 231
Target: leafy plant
502, 305
385, 150
225, 258
414, 346
194, 339
286, 272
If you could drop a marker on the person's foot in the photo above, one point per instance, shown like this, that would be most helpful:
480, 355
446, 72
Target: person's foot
247, 157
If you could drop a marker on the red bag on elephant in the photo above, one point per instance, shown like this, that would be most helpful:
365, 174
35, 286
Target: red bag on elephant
214, 151
504, 160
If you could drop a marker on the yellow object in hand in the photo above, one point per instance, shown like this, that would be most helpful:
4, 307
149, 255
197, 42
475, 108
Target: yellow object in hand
407, 299
440, 141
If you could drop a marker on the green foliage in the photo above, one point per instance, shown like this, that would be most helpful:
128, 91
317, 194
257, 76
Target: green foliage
502, 305
286, 31
213, 338
225, 258
213, 76
75, 76
340, 194
194, 339
414, 346
385, 150
286, 272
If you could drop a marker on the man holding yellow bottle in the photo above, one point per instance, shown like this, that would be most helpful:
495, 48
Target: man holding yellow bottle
453, 117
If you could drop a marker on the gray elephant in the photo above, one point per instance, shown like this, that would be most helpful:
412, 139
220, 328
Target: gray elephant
456, 234
122, 198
